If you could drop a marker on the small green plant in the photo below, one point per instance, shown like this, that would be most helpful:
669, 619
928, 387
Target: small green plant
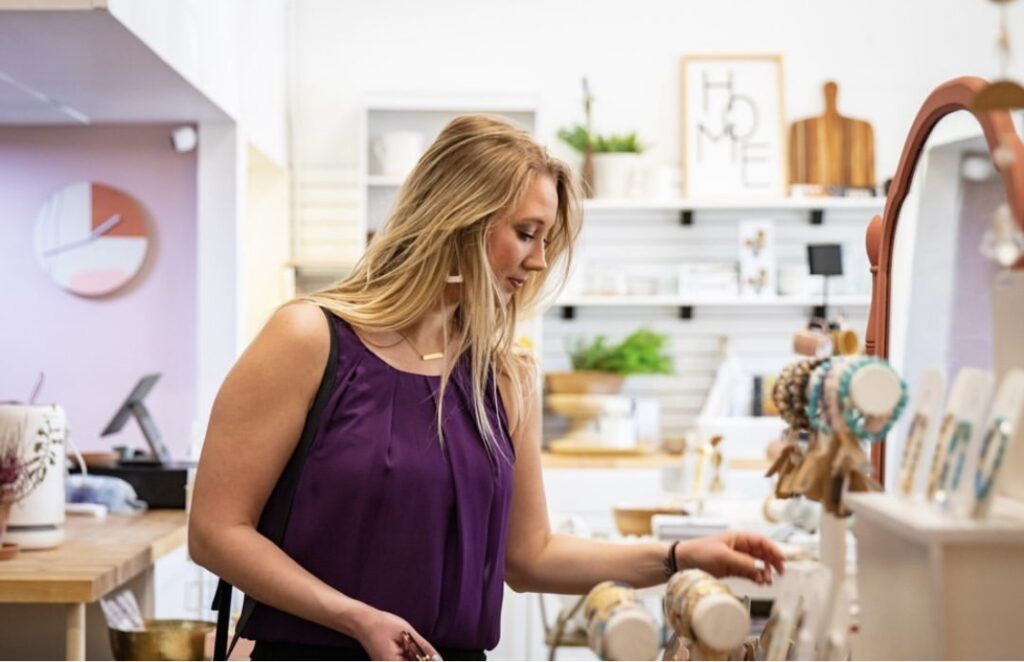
578, 138
582, 136
643, 352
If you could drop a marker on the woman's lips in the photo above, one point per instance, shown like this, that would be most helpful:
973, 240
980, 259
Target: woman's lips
516, 283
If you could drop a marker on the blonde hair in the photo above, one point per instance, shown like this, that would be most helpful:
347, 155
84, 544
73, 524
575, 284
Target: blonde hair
474, 173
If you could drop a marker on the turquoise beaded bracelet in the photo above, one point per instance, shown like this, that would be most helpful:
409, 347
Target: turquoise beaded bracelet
855, 418
957, 444
983, 483
815, 407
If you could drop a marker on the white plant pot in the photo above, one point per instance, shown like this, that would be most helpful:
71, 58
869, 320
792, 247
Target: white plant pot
618, 175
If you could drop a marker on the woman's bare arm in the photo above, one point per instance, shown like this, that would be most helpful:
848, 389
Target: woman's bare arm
539, 560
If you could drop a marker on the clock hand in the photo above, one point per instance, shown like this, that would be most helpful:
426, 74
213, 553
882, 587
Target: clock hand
99, 230
106, 226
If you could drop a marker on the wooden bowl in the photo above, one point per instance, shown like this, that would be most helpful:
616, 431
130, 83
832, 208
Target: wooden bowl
585, 381
101, 458
636, 521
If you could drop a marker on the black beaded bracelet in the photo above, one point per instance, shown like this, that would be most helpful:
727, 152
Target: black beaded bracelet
671, 566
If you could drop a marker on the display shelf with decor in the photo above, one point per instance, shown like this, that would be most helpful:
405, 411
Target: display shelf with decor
672, 263
567, 303
396, 128
746, 436
599, 419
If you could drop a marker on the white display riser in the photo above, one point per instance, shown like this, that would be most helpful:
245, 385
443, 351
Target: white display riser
932, 587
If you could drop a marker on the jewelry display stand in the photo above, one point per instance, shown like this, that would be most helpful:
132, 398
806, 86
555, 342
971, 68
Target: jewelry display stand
935, 584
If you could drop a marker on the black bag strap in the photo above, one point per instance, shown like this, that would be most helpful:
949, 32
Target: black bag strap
285, 489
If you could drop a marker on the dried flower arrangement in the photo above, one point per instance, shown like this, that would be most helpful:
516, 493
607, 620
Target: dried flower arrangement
21, 471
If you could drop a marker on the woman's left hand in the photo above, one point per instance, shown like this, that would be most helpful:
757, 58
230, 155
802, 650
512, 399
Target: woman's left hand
733, 553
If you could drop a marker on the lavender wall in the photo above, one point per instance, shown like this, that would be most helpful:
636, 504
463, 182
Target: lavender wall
94, 350
970, 338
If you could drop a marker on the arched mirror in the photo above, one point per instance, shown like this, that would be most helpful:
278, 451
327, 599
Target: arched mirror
946, 294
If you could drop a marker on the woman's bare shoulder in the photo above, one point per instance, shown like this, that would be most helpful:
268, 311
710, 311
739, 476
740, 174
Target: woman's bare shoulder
299, 323
296, 340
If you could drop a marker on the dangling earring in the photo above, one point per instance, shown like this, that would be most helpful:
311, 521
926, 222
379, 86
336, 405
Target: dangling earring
456, 278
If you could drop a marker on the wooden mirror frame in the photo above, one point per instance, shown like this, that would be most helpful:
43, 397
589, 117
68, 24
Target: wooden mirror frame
997, 127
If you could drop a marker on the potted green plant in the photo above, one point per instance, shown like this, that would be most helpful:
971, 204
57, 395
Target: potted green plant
601, 367
611, 163
617, 160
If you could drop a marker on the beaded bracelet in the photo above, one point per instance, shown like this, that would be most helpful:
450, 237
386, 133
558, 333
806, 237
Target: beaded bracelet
815, 398
798, 392
985, 474
912, 451
939, 456
957, 444
854, 418
780, 393
832, 407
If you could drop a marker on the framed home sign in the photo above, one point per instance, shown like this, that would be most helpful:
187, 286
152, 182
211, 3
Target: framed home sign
733, 124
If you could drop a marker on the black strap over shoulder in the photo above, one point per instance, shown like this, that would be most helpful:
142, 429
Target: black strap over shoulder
285, 490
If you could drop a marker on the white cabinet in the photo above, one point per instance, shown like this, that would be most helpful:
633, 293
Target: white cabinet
952, 585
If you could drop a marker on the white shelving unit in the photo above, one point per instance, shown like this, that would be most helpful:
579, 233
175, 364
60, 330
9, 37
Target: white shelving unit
426, 114
651, 239
951, 585
866, 204
738, 301
342, 207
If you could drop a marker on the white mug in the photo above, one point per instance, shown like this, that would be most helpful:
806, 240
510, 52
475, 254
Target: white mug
398, 152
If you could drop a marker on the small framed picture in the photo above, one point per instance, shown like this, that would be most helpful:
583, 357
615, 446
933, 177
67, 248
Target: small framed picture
757, 258
733, 122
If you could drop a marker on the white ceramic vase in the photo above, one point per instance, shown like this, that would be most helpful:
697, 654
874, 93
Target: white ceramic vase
618, 175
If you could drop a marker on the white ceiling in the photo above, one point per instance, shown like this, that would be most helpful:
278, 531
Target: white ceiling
87, 60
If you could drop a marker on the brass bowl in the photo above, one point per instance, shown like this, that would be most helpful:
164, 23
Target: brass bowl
163, 639
633, 521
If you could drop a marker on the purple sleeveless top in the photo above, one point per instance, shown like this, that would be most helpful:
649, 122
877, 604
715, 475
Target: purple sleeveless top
386, 516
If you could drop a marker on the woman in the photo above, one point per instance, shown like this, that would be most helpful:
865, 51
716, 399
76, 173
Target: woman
422, 492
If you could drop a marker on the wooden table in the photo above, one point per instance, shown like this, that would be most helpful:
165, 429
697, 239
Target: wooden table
96, 557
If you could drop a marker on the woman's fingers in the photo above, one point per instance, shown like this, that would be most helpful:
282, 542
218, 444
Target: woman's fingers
762, 548
417, 648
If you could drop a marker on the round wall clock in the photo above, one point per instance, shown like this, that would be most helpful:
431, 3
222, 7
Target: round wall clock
91, 239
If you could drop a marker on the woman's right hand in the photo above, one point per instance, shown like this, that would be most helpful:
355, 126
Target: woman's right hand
380, 633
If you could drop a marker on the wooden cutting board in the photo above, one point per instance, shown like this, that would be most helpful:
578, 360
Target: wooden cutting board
832, 150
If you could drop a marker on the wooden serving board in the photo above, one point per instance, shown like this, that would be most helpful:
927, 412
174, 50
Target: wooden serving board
832, 150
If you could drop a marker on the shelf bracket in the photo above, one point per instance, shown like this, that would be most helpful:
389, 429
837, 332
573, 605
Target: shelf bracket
817, 217
686, 217
568, 312
686, 312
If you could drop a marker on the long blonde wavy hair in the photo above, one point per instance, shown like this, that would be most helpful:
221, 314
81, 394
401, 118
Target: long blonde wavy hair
475, 173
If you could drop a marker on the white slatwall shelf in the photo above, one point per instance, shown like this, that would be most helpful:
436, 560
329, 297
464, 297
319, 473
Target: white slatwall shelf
734, 204
655, 237
751, 302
